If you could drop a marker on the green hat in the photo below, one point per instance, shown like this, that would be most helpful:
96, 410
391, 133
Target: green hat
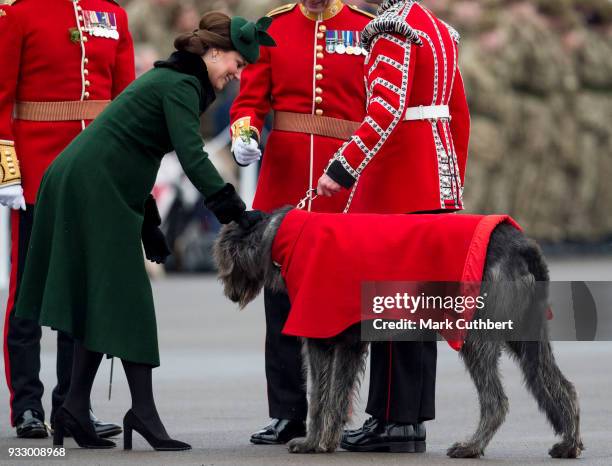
248, 36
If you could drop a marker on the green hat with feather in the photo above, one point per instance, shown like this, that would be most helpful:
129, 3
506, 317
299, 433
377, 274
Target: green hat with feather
248, 36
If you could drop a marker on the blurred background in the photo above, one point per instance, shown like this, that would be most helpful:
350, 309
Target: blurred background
538, 76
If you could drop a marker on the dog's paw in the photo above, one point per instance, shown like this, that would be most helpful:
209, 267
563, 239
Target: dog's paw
303, 445
464, 450
566, 450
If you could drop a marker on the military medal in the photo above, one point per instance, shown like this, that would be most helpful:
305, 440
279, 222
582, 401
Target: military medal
330, 42
101, 24
358, 50
340, 47
350, 50
112, 21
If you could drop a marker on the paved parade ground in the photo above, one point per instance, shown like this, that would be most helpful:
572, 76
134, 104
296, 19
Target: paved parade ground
210, 391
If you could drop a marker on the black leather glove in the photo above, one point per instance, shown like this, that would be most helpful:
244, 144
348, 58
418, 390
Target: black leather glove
153, 239
226, 204
250, 218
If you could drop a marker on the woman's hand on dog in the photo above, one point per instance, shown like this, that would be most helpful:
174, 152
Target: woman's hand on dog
327, 187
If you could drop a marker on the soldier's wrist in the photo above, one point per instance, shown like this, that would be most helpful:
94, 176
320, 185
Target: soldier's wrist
340, 175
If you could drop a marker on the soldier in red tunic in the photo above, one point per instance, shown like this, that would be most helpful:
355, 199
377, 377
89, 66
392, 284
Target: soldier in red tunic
408, 156
62, 62
313, 80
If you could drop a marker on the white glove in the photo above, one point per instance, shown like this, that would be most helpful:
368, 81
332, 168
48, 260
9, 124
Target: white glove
12, 196
246, 153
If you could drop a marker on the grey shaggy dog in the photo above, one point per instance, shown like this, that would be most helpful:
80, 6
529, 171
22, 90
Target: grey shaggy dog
334, 366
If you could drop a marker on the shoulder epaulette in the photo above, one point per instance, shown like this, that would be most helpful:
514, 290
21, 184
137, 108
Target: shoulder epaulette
391, 24
282, 9
358, 10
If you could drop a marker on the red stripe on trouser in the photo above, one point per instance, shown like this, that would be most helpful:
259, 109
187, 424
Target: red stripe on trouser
389, 382
11, 301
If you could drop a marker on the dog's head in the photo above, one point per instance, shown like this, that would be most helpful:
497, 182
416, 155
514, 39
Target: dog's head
244, 258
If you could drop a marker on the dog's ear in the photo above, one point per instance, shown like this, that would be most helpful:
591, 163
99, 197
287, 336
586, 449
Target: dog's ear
272, 272
237, 253
222, 251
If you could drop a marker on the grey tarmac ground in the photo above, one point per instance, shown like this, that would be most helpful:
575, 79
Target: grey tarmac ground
210, 391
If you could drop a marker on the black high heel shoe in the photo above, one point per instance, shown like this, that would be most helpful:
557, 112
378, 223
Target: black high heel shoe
132, 422
66, 422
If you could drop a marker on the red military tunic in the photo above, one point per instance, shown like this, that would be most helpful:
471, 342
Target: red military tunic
398, 166
300, 75
43, 60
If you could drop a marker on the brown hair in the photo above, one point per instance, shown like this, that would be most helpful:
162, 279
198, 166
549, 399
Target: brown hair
213, 32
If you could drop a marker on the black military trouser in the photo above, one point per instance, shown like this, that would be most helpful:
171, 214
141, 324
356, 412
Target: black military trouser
22, 336
284, 373
403, 381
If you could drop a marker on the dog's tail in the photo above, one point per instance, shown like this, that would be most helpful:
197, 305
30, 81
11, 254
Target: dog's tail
534, 258
531, 252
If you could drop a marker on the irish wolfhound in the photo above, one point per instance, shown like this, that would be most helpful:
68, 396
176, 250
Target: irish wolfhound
334, 365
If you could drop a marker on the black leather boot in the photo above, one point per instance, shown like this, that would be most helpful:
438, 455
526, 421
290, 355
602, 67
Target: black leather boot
104, 429
30, 425
377, 435
279, 431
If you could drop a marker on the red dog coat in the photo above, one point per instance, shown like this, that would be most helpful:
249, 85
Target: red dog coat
325, 258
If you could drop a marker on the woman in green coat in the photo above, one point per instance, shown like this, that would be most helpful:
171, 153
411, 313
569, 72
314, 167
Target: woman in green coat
84, 273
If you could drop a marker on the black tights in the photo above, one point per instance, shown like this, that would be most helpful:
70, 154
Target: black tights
140, 380
139, 376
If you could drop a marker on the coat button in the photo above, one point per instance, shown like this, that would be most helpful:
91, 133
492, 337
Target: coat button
86, 60
319, 76
319, 48
319, 67
318, 90
322, 28
320, 35
84, 39
86, 95
318, 99
87, 83
320, 55
85, 72
319, 112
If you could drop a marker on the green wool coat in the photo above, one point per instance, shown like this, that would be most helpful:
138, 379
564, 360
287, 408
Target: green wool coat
84, 270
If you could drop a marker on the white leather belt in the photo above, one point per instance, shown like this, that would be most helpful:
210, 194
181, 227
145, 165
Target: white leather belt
432, 112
